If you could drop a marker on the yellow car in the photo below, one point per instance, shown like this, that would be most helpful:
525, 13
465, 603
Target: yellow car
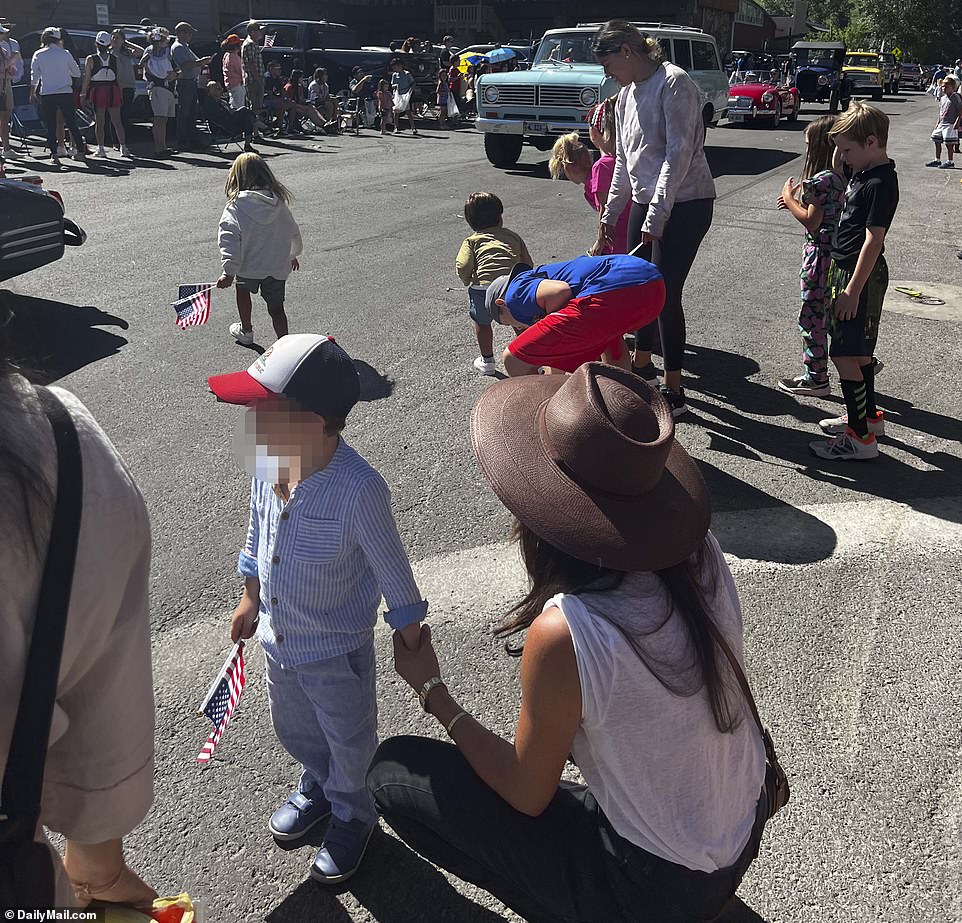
863, 69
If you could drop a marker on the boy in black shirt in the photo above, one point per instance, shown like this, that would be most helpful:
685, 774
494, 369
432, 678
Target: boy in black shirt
858, 278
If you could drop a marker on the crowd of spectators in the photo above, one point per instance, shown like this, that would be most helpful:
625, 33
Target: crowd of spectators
232, 94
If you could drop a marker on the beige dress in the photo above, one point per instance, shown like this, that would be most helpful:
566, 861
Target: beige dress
98, 783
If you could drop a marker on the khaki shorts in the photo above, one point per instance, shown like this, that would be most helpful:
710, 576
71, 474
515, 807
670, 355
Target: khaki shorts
162, 102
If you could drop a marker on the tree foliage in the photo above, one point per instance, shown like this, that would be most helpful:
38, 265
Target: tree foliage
925, 30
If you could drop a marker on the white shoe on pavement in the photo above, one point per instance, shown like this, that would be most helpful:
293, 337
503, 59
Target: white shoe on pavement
125, 151
9, 153
845, 447
485, 366
61, 151
244, 337
102, 152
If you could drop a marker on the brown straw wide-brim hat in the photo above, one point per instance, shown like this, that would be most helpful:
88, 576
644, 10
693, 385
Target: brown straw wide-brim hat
589, 463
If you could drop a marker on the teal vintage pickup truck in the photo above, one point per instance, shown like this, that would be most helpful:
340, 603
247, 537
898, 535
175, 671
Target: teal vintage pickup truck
565, 81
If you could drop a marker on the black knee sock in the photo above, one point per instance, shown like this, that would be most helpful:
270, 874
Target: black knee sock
854, 392
868, 373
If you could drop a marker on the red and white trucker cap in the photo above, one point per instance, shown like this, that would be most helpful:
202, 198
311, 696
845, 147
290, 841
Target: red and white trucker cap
310, 369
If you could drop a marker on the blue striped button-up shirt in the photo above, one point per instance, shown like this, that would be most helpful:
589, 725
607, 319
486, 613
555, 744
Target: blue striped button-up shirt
324, 559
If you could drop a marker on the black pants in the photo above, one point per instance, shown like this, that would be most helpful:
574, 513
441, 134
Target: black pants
674, 255
186, 113
50, 105
566, 866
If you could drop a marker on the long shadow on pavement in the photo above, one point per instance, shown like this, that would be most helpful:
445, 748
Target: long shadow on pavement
395, 885
53, 339
724, 376
746, 161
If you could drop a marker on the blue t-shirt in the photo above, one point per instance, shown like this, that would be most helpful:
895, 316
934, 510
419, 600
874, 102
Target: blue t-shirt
586, 275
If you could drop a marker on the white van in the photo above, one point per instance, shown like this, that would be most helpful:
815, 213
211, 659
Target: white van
565, 80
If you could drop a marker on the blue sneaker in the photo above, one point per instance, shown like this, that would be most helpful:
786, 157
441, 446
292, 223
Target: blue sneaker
341, 853
298, 815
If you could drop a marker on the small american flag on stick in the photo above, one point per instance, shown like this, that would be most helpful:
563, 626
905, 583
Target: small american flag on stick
192, 304
268, 41
222, 699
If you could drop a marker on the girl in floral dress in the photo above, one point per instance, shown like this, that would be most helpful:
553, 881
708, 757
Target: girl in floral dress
817, 204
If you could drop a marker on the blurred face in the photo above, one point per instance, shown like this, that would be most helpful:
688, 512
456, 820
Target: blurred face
117, 40
276, 439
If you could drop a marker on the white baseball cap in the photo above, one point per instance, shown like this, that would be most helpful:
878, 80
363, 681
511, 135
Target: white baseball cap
103, 38
306, 367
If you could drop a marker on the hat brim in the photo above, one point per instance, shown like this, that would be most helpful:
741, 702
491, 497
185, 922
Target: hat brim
238, 388
649, 532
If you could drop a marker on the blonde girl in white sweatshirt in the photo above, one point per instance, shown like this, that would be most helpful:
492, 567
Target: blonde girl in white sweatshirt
259, 243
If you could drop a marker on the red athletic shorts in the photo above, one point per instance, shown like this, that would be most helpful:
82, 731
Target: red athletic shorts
585, 327
105, 96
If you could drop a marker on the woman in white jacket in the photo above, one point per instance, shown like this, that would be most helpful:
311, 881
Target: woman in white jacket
259, 243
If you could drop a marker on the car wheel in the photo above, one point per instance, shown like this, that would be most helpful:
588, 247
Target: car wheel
876, 95
778, 116
503, 150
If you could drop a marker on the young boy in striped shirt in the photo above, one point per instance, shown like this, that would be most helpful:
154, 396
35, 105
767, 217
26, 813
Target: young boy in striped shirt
322, 548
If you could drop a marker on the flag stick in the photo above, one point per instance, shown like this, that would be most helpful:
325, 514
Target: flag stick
223, 672
204, 285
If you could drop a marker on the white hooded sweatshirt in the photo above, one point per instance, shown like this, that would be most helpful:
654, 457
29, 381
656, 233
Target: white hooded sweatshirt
258, 236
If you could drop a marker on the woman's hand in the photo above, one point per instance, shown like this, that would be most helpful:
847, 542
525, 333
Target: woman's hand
596, 248
416, 666
225, 281
606, 234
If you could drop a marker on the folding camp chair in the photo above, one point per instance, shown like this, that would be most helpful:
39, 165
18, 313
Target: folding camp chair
220, 139
25, 121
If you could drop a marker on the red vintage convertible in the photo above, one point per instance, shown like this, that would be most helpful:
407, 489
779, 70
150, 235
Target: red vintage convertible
753, 98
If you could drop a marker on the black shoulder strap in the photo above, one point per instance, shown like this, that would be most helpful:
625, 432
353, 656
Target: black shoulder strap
23, 778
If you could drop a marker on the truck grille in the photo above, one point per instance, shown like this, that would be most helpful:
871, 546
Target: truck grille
862, 80
512, 94
568, 97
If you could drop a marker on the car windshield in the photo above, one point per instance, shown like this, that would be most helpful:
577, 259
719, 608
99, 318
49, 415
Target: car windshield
911, 68
861, 60
566, 49
816, 57
740, 77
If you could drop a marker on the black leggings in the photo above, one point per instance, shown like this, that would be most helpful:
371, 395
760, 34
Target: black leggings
50, 105
673, 255
568, 864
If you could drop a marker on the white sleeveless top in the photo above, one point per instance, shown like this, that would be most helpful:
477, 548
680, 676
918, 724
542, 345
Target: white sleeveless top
665, 777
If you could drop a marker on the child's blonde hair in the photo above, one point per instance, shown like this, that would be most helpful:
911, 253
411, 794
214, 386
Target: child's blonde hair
250, 171
859, 122
567, 150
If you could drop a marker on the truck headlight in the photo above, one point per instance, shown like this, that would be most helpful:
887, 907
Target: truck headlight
822, 80
490, 95
589, 96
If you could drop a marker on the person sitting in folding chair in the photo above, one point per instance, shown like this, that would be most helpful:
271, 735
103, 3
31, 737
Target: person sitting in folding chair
221, 119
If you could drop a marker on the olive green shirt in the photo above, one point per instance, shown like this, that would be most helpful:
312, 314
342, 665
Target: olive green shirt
490, 253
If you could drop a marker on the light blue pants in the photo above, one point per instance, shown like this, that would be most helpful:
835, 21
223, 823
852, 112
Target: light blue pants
325, 715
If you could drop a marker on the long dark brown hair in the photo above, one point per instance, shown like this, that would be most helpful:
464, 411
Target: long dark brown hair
552, 571
818, 154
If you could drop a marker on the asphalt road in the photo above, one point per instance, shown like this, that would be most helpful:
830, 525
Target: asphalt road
849, 576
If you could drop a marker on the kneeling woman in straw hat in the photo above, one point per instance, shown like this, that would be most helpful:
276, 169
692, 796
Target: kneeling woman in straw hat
575, 310
620, 668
